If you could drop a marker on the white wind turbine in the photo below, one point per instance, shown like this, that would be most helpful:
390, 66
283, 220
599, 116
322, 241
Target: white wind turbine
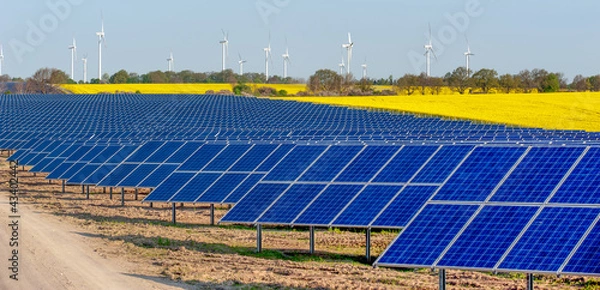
468, 55
364, 69
348, 46
1, 58
342, 66
428, 52
170, 61
286, 62
73, 48
267, 58
84, 60
241, 62
101, 41
225, 46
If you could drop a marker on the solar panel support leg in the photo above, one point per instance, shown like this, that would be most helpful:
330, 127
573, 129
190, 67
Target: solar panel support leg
87, 192
368, 245
258, 238
174, 211
63, 186
312, 239
110, 193
212, 214
34, 174
122, 196
529, 281
136, 194
83, 189
442, 279
104, 190
49, 181
151, 204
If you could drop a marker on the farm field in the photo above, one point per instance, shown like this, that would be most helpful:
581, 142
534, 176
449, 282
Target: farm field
567, 111
195, 255
170, 89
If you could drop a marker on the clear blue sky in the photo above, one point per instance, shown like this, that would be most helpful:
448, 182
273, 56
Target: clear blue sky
507, 35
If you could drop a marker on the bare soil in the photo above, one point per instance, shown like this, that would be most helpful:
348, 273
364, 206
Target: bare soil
142, 243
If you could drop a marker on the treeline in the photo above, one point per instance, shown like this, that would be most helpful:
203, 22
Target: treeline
190, 77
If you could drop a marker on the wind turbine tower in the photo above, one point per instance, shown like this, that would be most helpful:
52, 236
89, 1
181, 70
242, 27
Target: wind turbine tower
84, 60
286, 62
170, 61
267, 59
241, 62
364, 70
468, 55
349, 46
428, 52
1, 58
225, 46
101, 41
73, 48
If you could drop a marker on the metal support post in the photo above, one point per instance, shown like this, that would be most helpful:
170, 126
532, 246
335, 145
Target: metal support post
311, 239
529, 281
174, 213
442, 279
212, 214
368, 245
122, 196
258, 238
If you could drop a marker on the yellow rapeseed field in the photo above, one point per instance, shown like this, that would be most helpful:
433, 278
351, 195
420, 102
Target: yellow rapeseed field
169, 88
568, 111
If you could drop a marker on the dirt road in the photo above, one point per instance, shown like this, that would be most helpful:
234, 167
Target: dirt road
51, 256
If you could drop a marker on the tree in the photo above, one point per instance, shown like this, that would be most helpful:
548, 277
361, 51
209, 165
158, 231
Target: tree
43, 79
325, 80
594, 82
580, 84
508, 83
408, 83
550, 84
437, 84
485, 79
155, 77
459, 80
526, 82
121, 77
539, 78
105, 78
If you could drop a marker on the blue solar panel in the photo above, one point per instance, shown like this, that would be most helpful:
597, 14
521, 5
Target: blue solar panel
184, 152
253, 158
367, 164
59, 170
227, 158
163, 153
79, 153
366, 206
488, 237
222, 188
480, 173
92, 153
291, 204
71, 171
204, 155
550, 239
249, 208
428, 235
537, 175
40, 165
169, 187
243, 188
83, 174
118, 174
58, 150
585, 260
108, 152
192, 190
17, 155
331, 163
268, 164
582, 184
442, 164
160, 174
53, 165
405, 164
144, 151
290, 168
99, 173
139, 174
406, 204
36, 159
329, 203
121, 154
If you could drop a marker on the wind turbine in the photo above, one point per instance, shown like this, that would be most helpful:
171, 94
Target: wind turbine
1, 58
170, 62
267, 58
286, 62
73, 48
241, 62
225, 45
348, 46
364, 69
342, 66
428, 52
468, 54
101, 41
84, 60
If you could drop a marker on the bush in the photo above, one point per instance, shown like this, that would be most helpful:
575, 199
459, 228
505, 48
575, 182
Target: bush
240, 89
282, 93
266, 91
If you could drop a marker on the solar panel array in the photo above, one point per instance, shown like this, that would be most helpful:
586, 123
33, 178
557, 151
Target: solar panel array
509, 210
470, 196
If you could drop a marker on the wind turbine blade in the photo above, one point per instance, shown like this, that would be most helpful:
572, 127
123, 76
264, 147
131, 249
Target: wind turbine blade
349, 38
434, 55
430, 35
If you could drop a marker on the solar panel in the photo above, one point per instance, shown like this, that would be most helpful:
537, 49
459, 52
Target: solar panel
254, 158
83, 174
405, 164
275, 157
227, 158
137, 175
422, 242
365, 207
203, 156
184, 152
190, 191
144, 151
118, 174
222, 188
169, 187
367, 164
249, 208
550, 239
442, 164
582, 184
328, 204
538, 174
159, 175
480, 173
291, 204
243, 188
331, 163
585, 259
99, 173
296, 162
488, 237
164, 152
404, 206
